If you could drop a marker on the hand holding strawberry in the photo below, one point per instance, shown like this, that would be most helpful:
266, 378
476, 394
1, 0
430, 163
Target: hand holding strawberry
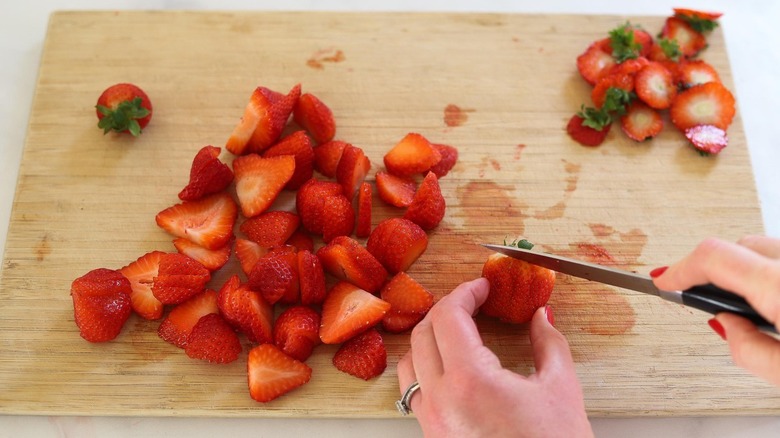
123, 108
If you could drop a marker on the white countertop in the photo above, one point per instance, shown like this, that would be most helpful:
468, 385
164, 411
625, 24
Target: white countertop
752, 37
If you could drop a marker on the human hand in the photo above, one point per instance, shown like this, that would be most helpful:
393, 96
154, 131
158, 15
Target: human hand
464, 390
751, 269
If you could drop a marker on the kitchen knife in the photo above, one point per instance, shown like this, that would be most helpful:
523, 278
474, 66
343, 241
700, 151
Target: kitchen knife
708, 298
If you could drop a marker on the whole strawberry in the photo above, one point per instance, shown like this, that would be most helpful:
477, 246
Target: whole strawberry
517, 288
123, 108
101, 304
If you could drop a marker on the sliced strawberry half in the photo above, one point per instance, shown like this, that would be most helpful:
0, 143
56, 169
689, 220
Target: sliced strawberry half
259, 180
177, 326
346, 259
141, 274
246, 311
585, 135
693, 13
327, 156
707, 138
397, 243
179, 278
412, 155
595, 61
272, 122
428, 206
689, 40
213, 340
395, 190
363, 228
271, 373
208, 175
363, 356
349, 310
352, 170
248, 253
212, 259
640, 122
299, 146
314, 116
256, 109
271, 228
311, 278
655, 86
624, 81
705, 104
207, 222
296, 331
696, 72
409, 303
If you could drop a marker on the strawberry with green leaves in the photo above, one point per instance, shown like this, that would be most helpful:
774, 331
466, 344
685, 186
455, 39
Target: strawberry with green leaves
517, 288
123, 108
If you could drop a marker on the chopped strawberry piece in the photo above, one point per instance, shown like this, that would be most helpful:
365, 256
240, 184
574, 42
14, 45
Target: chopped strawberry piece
640, 122
315, 117
428, 206
352, 170
693, 13
257, 108
213, 340
274, 119
363, 228
623, 81
271, 228
395, 190
296, 332
409, 302
705, 104
689, 40
298, 145
208, 175
207, 222
655, 86
397, 243
596, 61
327, 156
311, 278
179, 278
339, 217
141, 274
246, 310
449, 156
275, 275
349, 310
585, 135
411, 156
212, 259
696, 72
707, 138
248, 253
271, 373
310, 200
259, 180
301, 240
348, 260
363, 356
101, 304
177, 326
629, 66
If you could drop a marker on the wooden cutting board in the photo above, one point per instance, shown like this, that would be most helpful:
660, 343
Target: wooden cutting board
498, 87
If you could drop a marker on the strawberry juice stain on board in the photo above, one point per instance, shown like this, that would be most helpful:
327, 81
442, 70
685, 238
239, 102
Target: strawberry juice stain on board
328, 55
455, 115
490, 212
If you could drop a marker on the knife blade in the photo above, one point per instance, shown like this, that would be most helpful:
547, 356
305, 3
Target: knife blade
709, 298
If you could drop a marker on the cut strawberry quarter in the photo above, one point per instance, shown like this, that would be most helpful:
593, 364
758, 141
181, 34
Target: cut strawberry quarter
207, 222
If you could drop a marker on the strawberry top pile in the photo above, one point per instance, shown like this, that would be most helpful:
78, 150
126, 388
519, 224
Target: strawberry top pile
281, 301
635, 77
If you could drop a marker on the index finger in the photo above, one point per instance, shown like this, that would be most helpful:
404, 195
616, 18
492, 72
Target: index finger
732, 267
451, 318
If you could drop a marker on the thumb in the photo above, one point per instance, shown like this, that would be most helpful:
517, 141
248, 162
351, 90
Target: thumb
552, 356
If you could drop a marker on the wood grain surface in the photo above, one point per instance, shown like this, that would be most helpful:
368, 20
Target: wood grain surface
498, 87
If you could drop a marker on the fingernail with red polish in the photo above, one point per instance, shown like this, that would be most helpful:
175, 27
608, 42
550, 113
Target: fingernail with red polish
549, 314
718, 328
658, 271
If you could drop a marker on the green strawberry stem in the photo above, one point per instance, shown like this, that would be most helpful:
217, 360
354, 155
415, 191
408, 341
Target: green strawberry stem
521, 243
124, 118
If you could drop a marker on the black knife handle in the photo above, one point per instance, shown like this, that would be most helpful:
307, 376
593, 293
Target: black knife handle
714, 300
